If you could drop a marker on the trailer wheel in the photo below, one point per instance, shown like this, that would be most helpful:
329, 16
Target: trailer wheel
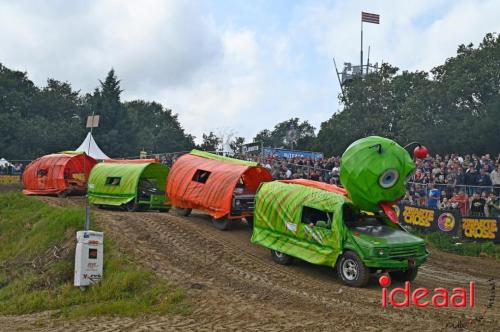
183, 212
132, 206
221, 223
404, 275
249, 221
352, 271
281, 258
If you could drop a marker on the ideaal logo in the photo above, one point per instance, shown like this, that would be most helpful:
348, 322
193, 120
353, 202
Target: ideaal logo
422, 297
417, 216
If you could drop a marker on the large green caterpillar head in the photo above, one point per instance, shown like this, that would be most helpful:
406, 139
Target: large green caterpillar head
373, 170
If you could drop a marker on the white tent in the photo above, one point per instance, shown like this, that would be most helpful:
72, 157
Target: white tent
90, 147
4, 162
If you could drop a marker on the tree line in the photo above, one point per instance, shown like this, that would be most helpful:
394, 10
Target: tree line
35, 121
454, 108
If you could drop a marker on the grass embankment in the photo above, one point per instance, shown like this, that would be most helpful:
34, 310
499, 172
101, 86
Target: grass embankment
464, 248
37, 245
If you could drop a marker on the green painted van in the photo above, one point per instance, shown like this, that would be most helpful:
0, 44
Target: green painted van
133, 186
318, 224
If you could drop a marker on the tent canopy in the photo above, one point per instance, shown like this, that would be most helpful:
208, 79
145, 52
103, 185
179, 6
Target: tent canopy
57, 173
93, 149
214, 194
116, 184
4, 162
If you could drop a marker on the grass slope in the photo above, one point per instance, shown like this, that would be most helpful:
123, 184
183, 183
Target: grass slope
36, 267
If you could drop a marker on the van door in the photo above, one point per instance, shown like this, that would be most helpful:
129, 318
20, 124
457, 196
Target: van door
316, 227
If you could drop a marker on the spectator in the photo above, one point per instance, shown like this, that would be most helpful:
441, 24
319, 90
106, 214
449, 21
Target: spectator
434, 195
483, 178
495, 179
493, 206
460, 201
471, 179
477, 205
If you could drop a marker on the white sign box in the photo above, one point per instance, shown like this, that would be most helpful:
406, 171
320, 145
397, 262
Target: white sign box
88, 257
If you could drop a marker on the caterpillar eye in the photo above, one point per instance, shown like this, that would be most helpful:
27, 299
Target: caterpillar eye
388, 178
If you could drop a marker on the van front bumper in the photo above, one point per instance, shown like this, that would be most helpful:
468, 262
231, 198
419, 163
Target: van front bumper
400, 263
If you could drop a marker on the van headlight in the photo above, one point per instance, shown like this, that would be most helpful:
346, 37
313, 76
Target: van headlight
379, 252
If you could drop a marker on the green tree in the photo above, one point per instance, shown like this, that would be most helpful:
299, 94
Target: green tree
210, 142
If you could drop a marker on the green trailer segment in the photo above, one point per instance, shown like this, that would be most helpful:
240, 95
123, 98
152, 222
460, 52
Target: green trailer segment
281, 223
118, 184
278, 226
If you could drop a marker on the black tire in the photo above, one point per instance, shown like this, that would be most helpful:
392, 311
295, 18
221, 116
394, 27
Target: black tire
132, 206
281, 258
164, 210
183, 212
404, 275
222, 224
249, 221
62, 194
352, 271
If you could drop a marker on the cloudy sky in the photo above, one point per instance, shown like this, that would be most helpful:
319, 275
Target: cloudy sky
231, 65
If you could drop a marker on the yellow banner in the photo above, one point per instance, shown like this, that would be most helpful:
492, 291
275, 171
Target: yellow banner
6, 179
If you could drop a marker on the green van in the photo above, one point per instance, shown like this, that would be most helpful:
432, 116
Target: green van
307, 220
133, 186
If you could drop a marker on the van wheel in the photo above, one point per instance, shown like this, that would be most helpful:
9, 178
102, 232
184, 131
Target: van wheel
404, 275
183, 212
164, 210
281, 258
132, 206
249, 221
352, 271
221, 223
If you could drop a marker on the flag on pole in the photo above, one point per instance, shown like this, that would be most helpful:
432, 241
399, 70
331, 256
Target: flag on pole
370, 18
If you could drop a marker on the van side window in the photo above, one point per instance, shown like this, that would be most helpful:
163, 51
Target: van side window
315, 217
113, 180
201, 176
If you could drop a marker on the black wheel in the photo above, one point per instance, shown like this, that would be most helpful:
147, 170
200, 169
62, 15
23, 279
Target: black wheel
132, 206
164, 210
183, 212
404, 275
249, 221
62, 194
352, 271
281, 258
221, 223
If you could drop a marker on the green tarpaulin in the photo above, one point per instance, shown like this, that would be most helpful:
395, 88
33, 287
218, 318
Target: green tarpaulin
278, 222
212, 156
116, 184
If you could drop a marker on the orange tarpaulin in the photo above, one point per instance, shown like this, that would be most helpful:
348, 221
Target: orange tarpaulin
201, 183
57, 173
318, 185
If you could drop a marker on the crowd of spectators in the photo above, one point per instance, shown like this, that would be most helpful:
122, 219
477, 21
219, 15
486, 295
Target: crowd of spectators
12, 169
469, 184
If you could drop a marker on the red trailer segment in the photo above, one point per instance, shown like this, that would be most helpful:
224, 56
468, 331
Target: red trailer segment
57, 173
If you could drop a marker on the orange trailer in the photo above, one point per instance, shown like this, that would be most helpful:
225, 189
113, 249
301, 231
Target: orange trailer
222, 186
58, 174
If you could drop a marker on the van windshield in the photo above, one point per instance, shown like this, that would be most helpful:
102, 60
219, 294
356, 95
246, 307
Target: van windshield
353, 218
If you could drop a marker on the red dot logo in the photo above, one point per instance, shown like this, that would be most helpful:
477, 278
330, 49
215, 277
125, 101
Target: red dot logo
384, 281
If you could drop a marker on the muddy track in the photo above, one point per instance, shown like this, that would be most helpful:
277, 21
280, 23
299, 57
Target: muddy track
234, 285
